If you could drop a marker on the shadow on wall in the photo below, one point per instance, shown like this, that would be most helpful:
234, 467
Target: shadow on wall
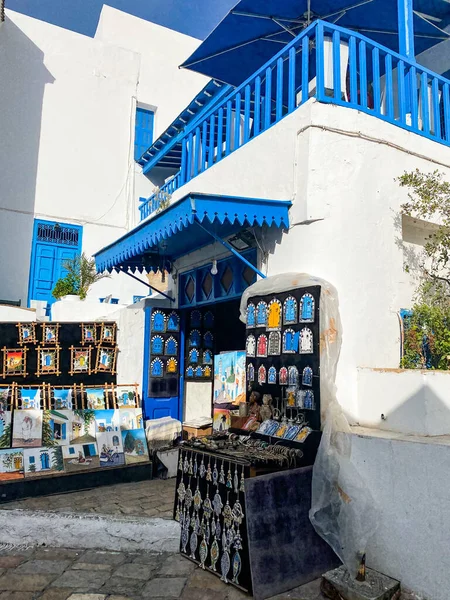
23, 79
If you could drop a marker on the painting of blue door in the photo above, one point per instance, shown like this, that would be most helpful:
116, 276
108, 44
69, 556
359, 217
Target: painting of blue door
45, 462
53, 244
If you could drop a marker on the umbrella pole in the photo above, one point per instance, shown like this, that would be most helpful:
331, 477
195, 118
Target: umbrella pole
309, 12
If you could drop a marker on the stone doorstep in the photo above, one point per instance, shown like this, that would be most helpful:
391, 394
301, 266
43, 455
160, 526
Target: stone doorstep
339, 585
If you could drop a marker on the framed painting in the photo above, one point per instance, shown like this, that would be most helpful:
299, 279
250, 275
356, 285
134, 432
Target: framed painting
50, 333
14, 362
80, 360
88, 333
106, 360
108, 333
47, 361
27, 333
27, 428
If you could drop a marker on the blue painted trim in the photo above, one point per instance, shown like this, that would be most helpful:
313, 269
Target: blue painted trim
145, 380
406, 28
182, 362
34, 243
141, 131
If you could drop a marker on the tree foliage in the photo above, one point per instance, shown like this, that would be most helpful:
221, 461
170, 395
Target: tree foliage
81, 273
5, 438
129, 442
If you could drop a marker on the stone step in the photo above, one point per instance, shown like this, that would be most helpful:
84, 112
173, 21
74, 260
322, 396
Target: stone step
88, 531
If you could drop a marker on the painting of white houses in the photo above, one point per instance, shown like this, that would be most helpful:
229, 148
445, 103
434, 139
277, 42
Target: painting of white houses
42, 461
126, 397
130, 418
229, 379
63, 398
31, 398
27, 428
107, 420
11, 464
83, 427
110, 449
60, 422
95, 398
80, 457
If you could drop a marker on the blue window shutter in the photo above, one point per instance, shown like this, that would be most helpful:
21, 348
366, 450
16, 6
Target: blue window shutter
63, 428
143, 133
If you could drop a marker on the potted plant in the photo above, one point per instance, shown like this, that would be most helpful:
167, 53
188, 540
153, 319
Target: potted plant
81, 274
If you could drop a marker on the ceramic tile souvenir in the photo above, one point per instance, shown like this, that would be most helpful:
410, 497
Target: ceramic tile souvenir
303, 434
250, 372
110, 449
47, 361
272, 375
88, 333
290, 309
250, 345
27, 428
207, 371
274, 345
42, 461
27, 333
199, 371
261, 347
5, 428
171, 346
251, 314
208, 340
306, 309
261, 314
290, 341
173, 322
262, 375
194, 339
30, 398
11, 464
293, 376
106, 360
306, 341
80, 457
80, 360
95, 398
157, 345
308, 399
307, 376
194, 355
291, 432
195, 319
108, 333
208, 320
15, 362
273, 428
156, 368
63, 398
189, 371
158, 321
207, 357
172, 366
283, 376
274, 313
50, 333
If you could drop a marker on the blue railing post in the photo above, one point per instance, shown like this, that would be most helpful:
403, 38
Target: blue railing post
268, 98
291, 83
337, 66
279, 94
305, 68
320, 63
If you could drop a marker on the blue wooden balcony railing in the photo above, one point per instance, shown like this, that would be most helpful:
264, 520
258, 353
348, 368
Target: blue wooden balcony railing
334, 65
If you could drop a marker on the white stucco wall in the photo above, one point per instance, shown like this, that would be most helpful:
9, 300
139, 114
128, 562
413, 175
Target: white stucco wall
408, 478
338, 166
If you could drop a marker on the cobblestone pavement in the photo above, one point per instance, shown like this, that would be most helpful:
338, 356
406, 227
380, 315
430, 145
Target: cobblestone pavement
153, 498
66, 574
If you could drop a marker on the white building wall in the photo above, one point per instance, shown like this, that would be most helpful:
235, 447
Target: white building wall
338, 166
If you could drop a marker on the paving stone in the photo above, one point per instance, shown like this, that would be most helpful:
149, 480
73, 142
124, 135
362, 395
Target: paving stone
87, 580
87, 597
57, 553
17, 595
154, 560
11, 562
196, 594
205, 579
43, 566
235, 594
164, 588
24, 583
100, 557
151, 512
113, 597
176, 565
91, 567
134, 571
120, 585
53, 593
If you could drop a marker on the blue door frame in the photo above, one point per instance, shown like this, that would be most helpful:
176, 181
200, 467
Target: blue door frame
52, 244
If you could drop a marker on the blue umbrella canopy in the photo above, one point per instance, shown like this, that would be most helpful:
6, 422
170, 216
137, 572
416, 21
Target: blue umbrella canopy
255, 30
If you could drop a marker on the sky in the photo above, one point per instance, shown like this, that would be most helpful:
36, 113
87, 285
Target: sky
192, 17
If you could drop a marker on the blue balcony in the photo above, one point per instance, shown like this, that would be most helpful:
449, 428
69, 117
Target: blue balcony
327, 62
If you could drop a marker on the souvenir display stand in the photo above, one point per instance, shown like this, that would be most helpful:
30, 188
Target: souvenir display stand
65, 423
243, 496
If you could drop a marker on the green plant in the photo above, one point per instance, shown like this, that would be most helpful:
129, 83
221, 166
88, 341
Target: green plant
88, 416
58, 461
32, 468
5, 438
427, 338
81, 273
48, 439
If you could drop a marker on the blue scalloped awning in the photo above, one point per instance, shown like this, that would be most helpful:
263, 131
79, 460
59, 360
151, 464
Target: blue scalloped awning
176, 231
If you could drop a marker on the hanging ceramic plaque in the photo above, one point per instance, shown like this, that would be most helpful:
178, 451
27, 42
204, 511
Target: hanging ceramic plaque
207, 357
207, 371
156, 368
307, 376
272, 375
189, 371
261, 314
173, 322
194, 339
283, 376
261, 347
172, 366
251, 312
306, 341
250, 372
194, 355
290, 311
196, 319
274, 348
199, 371
250, 345
274, 312
262, 375
293, 376
158, 321
208, 340
171, 346
157, 345
307, 309
290, 341
208, 320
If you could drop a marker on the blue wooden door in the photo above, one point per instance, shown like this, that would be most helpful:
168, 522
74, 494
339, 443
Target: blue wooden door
53, 244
